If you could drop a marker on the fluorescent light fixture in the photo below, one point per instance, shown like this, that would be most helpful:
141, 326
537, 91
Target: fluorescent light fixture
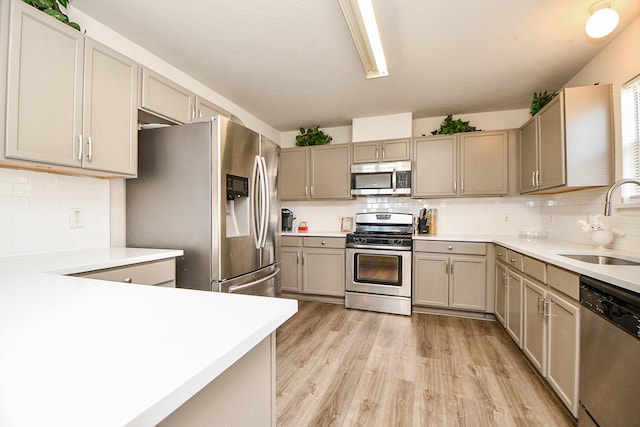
603, 20
361, 21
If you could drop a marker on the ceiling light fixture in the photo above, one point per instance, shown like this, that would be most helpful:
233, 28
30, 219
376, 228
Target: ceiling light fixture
361, 21
603, 20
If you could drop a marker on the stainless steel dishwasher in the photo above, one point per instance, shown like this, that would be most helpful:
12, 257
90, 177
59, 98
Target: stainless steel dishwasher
610, 355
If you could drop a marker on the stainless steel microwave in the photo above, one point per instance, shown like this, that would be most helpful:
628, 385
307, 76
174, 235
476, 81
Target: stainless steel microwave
385, 178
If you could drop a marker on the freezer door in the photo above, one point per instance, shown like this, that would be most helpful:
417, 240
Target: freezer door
270, 152
263, 282
234, 250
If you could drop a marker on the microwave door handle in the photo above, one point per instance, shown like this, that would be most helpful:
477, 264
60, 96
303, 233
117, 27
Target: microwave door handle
394, 180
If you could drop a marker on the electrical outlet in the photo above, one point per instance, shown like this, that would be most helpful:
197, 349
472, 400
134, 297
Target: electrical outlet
506, 219
76, 218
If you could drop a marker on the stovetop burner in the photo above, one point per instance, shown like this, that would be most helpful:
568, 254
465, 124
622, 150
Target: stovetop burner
382, 229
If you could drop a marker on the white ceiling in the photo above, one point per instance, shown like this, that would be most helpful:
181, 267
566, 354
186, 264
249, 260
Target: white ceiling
293, 63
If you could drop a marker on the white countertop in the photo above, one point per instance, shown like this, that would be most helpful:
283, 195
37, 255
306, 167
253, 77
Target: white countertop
314, 234
78, 352
549, 250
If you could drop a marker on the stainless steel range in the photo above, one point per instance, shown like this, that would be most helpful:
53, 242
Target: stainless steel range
379, 263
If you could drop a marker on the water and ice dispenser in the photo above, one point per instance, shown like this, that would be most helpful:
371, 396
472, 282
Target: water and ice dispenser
238, 212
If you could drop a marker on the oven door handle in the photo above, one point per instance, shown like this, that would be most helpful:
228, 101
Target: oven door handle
390, 248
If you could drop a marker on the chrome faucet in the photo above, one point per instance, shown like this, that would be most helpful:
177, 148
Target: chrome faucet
607, 200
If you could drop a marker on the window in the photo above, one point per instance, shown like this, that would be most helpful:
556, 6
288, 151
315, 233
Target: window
631, 138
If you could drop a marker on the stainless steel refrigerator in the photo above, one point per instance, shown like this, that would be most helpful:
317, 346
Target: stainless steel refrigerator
209, 188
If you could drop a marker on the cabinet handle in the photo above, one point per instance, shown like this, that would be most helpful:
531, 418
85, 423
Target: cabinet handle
505, 280
455, 186
80, 145
513, 261
306, 191
451, 268
537, 178
383, 153
324, 243
500, 254
540, 306
377, 154
312, 191
90, 146
298, 258
128, 280
461, 186
533, 178
547, 308
450, 247
303, 259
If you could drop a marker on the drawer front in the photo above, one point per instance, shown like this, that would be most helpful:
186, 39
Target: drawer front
446, 246
536, 269
564, 281
291, 241
515, 259
161, 273
325, 242
501, 253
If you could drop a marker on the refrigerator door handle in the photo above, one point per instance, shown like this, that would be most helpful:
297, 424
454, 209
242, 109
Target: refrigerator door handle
256, 219
266, 202
255, 282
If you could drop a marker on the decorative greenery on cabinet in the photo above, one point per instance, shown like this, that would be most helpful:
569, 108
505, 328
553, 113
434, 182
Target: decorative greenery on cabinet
450, 126
539, 100
52, 8
312, 136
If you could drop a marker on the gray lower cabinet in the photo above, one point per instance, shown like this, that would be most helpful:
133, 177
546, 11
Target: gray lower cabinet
155, 273
319, 172
539, 308
450, 275
313, 265
87, 104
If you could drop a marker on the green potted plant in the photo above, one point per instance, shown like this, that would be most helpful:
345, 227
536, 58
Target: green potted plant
539, 100
52, 8
450, 126
312, 136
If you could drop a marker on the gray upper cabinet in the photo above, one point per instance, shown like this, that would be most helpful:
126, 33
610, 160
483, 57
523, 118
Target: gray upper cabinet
382, 151
205, 108
319, 172
466, 164
44, 88
71, 102
165, 98
110, 111
569, 143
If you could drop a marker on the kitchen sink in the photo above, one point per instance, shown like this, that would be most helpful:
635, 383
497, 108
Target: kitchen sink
601, 259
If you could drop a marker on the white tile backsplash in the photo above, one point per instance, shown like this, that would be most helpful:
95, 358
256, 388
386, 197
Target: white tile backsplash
556, 214
34, 212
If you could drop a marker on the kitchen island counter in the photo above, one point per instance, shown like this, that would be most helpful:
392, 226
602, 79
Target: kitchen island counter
76, 351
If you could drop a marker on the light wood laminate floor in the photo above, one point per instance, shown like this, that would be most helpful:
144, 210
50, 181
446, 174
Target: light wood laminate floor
342, 367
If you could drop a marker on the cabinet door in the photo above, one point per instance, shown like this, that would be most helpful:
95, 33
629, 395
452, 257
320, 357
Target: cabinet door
434, 173
110, 110
467, 282
552, 144
292, 176
528, 156
330, 172
323, 271
291, 269
430, 280
396, 150
161, 96
514, 307
205, 108
502, 282
534, 339
366, 152
563, 353
44, 90
484, 163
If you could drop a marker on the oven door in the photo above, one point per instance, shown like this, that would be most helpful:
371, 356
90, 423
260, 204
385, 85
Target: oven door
379, 271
